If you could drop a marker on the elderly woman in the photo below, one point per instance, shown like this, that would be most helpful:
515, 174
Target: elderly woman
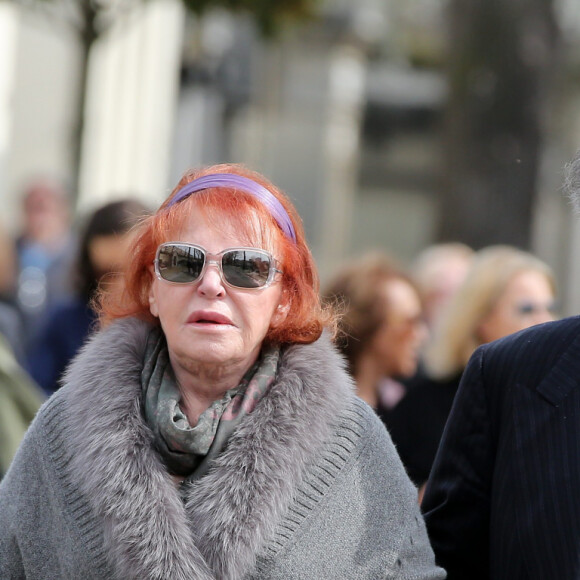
210, 430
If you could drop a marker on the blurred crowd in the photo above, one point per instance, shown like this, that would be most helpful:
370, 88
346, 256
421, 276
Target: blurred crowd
406, 331
50, 276
408, 334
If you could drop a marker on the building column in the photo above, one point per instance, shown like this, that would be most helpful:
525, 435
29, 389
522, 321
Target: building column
8, 46
131, 100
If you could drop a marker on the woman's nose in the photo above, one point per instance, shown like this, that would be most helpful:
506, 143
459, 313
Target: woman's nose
211, 283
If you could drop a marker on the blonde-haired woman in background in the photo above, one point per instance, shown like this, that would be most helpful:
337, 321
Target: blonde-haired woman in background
506, 290
439, 271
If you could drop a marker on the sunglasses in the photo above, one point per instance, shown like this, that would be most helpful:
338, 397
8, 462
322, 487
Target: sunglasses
530, 308
182, 263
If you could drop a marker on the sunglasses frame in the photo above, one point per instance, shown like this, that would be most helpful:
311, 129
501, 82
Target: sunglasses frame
218, 263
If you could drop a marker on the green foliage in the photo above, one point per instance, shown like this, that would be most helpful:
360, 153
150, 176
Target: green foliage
268, 14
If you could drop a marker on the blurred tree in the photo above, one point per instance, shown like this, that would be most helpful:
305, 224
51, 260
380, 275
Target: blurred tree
92, 19
501, 63
269, 15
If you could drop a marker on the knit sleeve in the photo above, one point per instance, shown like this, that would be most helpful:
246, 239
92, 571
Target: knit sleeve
355, 515
22, 479
40, 535
401, 549
10, 558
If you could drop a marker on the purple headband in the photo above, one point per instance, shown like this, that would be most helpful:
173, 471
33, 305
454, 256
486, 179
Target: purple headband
231, 180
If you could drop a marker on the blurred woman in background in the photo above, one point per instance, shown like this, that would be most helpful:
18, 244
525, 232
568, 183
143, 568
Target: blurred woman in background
46, 247
506, 290
382, 329
102, 254
439, 271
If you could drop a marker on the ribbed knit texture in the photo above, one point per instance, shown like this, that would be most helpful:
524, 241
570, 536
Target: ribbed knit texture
90, 529
320, 477
342, 513
43, 512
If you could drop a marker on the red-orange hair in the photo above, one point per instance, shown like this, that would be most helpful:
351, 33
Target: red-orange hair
306, 316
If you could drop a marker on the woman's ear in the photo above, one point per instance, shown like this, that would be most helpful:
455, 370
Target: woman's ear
281, 311
152, 300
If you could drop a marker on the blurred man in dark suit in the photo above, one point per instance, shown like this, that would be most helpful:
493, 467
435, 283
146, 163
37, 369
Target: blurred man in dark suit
503, 498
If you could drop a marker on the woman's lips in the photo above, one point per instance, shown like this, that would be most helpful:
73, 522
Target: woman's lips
207, 317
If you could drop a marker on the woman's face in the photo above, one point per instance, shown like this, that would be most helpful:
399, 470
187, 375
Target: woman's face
207, 322
398, 342
527, 300
108, 253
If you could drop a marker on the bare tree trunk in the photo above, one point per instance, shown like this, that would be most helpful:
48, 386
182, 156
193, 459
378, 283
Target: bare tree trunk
501, 62
88, 34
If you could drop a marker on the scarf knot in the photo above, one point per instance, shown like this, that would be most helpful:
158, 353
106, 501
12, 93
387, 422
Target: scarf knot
188, 450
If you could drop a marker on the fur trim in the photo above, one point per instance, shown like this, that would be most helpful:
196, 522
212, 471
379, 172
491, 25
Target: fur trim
230, 513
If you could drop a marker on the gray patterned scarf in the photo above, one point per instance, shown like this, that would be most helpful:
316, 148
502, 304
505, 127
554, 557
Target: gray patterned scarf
187, 450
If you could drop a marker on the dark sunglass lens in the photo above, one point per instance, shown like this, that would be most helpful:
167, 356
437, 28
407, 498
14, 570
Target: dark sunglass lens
181, 264
529, 308
526, 308
246, 268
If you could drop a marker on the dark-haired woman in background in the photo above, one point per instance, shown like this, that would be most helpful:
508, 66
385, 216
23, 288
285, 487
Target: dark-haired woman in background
102, 254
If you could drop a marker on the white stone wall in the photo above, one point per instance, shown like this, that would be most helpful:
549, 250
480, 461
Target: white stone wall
134, 76
8, 39
131, 102
38, 78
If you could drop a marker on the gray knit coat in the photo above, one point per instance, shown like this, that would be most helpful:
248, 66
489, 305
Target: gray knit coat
309, 486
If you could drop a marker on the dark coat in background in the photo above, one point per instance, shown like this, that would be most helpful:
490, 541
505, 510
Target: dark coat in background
503, 498
416, 423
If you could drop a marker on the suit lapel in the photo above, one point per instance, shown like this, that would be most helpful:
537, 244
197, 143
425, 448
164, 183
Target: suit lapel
545, 434
563, 376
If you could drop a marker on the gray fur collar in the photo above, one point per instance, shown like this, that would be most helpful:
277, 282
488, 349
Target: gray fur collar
150, 533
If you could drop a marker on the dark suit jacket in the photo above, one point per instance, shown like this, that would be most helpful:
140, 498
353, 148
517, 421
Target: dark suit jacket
503, 499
